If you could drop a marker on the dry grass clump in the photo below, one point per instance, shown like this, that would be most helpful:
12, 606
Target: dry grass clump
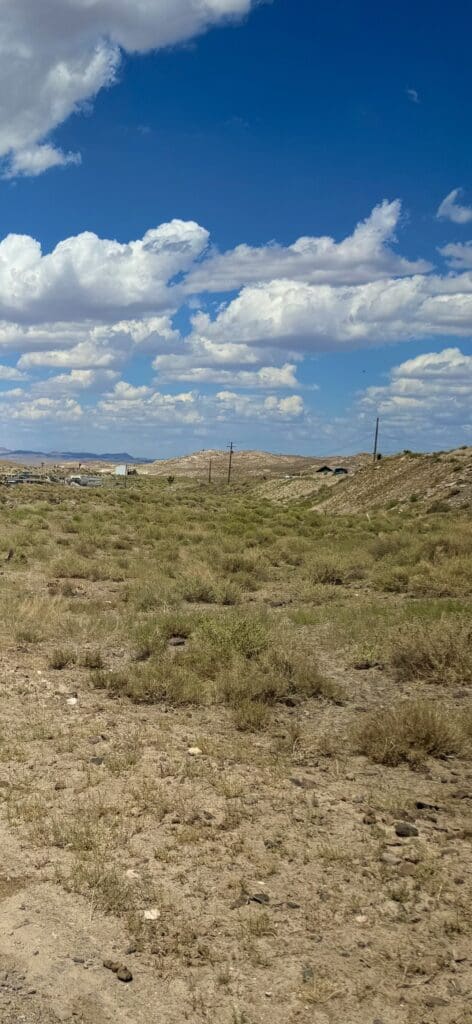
230, 658
251, 715
336, 572
61, 658
93, 659
438, 652
410, 731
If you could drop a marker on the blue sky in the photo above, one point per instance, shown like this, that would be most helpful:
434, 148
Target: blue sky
224, 219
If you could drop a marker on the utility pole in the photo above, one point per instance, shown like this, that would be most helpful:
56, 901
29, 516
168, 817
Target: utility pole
209, 473
231, 450
376, 438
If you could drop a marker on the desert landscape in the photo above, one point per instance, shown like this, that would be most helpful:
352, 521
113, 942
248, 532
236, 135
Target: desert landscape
235, 741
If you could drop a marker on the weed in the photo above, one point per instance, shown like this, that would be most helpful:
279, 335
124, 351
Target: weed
440, 652
409, 732
93, 660
251, 715
61, 658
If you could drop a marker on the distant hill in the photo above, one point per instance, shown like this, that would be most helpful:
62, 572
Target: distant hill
20, 455
247, 464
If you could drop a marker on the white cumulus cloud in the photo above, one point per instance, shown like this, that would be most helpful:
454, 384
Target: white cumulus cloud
90, 277
428, 397
450, 209
56, 55
366, 255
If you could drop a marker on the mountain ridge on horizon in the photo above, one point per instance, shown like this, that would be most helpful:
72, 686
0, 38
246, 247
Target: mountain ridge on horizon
7, 453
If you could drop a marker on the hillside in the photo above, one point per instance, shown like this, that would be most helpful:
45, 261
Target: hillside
246, 464
403, 479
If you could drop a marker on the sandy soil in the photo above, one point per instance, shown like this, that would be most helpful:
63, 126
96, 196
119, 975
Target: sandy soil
283, 890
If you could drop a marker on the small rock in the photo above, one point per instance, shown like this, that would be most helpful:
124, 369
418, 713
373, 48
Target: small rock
433, 1001
78, 959
308, 973
72, 701
112, 965
361, 919
194, 751
369, 819
302, 783
151, 915
59, 786
130, 950
177, 641
96, 760
124, 974
259, 897
405, 830
390, 859
132, 875
422, 805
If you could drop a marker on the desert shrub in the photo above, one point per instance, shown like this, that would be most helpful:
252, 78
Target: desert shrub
439, 652
230, 634
385, 546
232, 658
394, 579
61, 658
178, 623
199, 590
336, 573
229, 594
409, 732
251, 715
92, 660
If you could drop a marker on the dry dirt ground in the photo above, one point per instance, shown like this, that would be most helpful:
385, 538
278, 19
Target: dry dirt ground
241, 875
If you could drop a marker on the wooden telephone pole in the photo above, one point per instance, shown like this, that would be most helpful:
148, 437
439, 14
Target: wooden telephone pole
376, 442
230, 466
209, 472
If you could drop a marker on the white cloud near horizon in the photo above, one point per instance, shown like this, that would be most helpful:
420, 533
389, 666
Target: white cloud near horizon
266, 377
76, 317
56, 60
428, 396
451, 210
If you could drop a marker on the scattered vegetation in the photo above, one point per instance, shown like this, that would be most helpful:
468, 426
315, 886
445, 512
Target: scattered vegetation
410, 731
224, 665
